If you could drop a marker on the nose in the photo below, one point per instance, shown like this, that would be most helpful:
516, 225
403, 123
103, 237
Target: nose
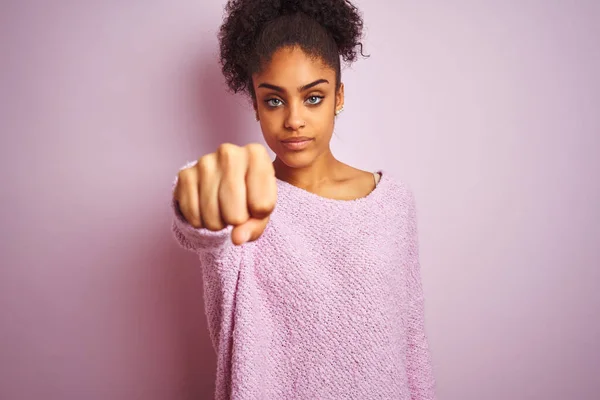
294, 120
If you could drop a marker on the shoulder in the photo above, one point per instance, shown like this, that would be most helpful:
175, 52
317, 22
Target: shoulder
400, 201
397, 189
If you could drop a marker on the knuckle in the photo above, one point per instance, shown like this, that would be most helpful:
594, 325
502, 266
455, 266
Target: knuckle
235, 218
180, 193
234, 209
195, 221
204, 163
262, 207
191, 216
225, 149
184, 176
256, 149
211, 218
227, 190
228, 155
213, 225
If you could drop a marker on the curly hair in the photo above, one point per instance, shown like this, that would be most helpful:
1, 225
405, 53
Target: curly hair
253, 30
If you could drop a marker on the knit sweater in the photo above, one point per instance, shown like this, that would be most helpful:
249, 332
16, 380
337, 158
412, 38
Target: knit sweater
326, 304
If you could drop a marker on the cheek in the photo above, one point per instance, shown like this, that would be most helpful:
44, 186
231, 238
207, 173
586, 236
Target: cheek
324, 122
270, 124
269, 130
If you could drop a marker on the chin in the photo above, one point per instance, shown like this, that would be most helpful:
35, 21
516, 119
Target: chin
301, 159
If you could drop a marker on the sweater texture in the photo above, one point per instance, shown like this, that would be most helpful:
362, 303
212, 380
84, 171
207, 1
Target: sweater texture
326, 304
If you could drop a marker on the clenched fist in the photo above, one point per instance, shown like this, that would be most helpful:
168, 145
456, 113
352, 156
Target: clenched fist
232, 186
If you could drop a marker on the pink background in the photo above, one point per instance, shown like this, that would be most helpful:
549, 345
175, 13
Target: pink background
490, 110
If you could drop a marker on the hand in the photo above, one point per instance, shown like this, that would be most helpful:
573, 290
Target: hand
232, 186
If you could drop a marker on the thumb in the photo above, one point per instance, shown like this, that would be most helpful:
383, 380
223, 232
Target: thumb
249, 231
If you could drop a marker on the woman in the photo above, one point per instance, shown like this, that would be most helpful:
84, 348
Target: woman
310, 266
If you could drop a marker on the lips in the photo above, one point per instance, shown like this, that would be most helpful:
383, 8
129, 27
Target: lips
297, 143
296, 139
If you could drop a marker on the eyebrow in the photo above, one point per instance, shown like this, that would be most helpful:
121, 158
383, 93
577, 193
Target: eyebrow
300, 89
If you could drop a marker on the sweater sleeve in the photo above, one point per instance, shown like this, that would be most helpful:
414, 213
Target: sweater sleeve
220, 261
419, 365
198, 240
214, 249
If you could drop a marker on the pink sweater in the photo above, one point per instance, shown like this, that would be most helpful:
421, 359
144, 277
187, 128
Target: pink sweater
326, 304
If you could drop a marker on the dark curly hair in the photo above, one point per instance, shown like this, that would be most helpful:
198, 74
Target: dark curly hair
254, 29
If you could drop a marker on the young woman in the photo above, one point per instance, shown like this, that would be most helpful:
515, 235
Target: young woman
310, 266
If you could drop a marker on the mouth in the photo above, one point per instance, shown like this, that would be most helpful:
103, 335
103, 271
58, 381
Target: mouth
297, 143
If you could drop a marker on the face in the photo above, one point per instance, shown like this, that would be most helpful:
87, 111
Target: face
296, 98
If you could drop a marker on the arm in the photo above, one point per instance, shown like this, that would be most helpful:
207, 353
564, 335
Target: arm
220, 261
419, 367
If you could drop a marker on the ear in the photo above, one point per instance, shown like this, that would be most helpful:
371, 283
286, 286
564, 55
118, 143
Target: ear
339, 98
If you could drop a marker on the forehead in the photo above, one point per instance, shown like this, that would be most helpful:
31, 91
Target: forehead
292, 67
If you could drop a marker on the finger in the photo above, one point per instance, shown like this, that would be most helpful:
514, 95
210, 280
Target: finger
209, 178
233, 164
249, 231
260, 183
186, 196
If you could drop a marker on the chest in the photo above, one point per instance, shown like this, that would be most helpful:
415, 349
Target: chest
338, 267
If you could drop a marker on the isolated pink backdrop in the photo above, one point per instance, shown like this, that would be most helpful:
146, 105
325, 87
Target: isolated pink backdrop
490, 110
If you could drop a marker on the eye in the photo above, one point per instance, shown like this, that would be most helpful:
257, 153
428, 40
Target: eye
274, 102
313, 100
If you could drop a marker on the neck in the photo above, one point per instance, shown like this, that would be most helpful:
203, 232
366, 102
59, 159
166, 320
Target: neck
321, 171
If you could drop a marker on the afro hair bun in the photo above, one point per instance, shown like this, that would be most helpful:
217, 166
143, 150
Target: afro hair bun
329, 28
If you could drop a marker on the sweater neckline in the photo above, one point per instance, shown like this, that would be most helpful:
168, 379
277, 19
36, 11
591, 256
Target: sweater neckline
313, 196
